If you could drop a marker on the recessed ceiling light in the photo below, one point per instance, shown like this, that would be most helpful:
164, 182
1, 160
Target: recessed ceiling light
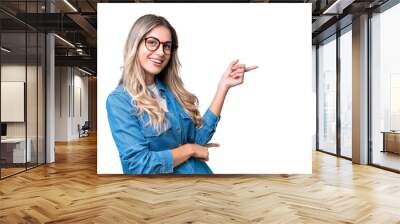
70, 5
64, 40
5, 50
84, 71
338, 6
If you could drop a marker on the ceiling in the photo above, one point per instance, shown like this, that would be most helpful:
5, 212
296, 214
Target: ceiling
76, 22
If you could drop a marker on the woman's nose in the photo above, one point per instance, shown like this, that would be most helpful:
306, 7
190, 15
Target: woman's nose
160, 50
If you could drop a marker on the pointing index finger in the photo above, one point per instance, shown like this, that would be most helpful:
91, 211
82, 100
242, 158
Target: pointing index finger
251, 68
210, 145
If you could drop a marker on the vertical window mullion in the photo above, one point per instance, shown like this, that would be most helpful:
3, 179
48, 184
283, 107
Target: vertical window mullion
369, 90
37, 89
0, 92
317, 95
26, 86
338, 80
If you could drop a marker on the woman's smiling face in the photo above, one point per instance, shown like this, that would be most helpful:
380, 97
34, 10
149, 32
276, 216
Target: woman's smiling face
153, 58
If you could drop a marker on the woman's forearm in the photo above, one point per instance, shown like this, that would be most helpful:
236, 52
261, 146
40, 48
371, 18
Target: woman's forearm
181, 154
184, 152
218, 101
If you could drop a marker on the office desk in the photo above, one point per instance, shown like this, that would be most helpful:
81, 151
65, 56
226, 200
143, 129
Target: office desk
13, 150
391, 141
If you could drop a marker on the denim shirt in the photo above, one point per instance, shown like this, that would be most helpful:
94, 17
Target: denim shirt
142, 150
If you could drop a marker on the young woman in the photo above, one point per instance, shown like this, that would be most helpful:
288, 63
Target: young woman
154, 120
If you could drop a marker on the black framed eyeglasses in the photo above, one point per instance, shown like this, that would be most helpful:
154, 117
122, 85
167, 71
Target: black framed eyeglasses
152, 44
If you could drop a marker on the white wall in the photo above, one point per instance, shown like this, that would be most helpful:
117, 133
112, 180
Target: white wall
80, 89
70, 83
16, 73
61, 103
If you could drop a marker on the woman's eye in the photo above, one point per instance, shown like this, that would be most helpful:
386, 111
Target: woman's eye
168, 46
152, 43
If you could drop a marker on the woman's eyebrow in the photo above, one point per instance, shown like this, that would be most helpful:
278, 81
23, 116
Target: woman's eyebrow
158, 39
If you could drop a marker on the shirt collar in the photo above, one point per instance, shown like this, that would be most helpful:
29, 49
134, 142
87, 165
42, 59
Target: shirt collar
160, 85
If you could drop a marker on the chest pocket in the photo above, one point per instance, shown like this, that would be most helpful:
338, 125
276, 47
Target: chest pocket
157, 140
188, 127
149, 132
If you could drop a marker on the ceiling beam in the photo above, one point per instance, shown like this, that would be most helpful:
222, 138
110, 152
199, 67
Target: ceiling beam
84, 61
84, 24
337, 6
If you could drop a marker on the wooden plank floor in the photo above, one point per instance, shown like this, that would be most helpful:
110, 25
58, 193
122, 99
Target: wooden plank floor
70, 191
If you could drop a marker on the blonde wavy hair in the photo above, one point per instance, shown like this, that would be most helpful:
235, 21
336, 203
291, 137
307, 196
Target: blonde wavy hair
133, 76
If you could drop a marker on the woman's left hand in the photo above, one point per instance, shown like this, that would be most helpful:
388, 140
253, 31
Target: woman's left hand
234, 74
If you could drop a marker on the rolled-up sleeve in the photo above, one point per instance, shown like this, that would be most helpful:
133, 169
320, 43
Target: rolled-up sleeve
133, 147
205, 133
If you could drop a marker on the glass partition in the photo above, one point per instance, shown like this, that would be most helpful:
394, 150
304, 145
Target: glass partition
13, 109
31, 100
22, 88
385, 89
41, 91
346, 93
327, 96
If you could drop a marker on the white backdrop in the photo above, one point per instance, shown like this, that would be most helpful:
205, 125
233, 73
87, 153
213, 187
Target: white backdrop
267, 123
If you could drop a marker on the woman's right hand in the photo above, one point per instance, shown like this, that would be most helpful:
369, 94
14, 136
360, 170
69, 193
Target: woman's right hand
184, 152
201, 151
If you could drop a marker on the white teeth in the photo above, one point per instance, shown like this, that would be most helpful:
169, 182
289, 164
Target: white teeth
156, 61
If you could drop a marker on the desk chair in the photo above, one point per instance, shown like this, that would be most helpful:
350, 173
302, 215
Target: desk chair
84, 130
